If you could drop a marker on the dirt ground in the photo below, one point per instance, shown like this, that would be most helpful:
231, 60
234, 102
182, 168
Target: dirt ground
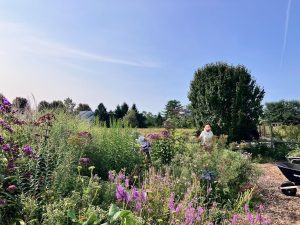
281, 209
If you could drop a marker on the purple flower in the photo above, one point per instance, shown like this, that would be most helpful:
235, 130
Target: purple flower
200, 211
178, 209
5, 102
111, 176
6, 126
261, 208
6, 147
84, 161
246, 207
2, 202
11, 165
122, 195
171, 204
27, 151
135, 194
138, 206
11, 188
127, 183
143, 196
165, 134
234, 219
250, 218
121, 176
258, 218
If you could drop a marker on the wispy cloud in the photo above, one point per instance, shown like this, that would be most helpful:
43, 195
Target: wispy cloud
26, 40
286, 27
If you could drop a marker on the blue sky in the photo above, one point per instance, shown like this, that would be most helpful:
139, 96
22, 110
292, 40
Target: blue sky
143, 51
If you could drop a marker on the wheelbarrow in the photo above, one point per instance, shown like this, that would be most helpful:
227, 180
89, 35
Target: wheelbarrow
291, 170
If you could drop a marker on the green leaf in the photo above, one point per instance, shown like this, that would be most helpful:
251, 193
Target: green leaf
121, 214
72, 215
90, 220
112, 210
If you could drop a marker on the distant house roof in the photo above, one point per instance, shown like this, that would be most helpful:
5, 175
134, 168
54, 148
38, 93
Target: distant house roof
87, 115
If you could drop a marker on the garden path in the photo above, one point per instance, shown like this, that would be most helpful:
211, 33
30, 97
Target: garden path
281, 209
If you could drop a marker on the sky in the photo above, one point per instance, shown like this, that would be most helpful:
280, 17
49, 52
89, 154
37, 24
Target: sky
143, 52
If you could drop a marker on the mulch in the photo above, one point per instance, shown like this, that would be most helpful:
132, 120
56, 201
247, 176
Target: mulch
281, 209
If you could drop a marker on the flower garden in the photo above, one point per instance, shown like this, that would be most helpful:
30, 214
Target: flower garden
58, 169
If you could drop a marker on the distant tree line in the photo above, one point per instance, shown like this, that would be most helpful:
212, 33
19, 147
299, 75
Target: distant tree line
285, 112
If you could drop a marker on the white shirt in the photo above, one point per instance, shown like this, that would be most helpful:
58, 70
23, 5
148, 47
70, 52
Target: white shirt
206, 137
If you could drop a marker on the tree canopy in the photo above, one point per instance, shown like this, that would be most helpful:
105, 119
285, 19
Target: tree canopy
228, 97
286, 112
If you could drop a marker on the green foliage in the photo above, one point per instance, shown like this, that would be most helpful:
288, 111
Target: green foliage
227, 172
131, 118
21, 104
112, 149
83, 107
286, 112
227, 97
288, 133
69, 105
163, 151
102, 115
54, 105
173, 109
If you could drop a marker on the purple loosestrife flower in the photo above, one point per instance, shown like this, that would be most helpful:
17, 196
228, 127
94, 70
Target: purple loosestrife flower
111, 176
11, 189
127, 183
84, 161
200, 211
178, 209
6, 147
135, 194
121, 176
258, 218
246, 207
27, 151
122, 195
171, 204
250, 218
261, 208
143, 196
138, 206
234, 219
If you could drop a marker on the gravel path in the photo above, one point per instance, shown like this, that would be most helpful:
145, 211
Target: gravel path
281, 209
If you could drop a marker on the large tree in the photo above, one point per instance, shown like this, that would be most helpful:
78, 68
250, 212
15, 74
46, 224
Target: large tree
124, 109
83, 107
118, 113
140, 117
286, 112
228, 97
20, 104
43, 105
173, 109
131, 118
101, 114
69, 105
